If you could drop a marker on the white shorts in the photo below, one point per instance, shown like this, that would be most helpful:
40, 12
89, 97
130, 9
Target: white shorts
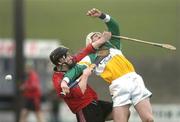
128, 89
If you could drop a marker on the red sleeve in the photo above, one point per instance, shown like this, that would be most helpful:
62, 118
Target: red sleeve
89, 49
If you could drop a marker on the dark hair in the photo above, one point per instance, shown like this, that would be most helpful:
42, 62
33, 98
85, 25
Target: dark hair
58, 53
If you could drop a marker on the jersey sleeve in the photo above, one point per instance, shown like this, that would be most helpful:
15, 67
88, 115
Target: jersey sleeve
113, 27
74, 73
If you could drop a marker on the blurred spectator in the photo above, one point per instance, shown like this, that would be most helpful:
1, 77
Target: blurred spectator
31, 94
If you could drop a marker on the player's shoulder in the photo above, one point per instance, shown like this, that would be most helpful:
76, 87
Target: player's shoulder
57, 75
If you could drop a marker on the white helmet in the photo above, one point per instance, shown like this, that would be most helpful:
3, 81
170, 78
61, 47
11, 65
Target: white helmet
88, 37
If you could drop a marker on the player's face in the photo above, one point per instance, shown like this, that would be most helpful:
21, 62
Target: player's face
68, 59
96, 37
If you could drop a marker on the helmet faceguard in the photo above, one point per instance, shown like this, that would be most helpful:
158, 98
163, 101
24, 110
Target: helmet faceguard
58, 53
89, 37
56, 56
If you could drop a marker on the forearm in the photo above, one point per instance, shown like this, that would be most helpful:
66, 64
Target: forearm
98, 43
84, 78
111, 24
87, 50
113, 27
83, 83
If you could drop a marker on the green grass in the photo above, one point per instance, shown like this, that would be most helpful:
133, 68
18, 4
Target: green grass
151, 20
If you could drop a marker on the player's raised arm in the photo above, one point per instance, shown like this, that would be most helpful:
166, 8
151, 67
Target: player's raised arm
111, 24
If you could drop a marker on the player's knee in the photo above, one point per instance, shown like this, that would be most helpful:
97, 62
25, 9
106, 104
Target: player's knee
149, 119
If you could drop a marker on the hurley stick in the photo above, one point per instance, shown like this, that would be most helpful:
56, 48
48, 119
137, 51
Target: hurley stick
167, 46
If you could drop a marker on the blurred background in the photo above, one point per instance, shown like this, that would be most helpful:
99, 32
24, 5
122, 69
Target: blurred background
50, 23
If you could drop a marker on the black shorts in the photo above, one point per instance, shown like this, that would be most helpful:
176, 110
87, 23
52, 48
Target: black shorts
32, 104
96, 111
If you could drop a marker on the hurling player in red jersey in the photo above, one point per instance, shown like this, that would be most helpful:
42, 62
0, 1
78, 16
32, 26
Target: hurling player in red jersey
82, 100
31, 93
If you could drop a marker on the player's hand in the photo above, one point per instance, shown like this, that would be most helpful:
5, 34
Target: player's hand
64, 87
94, 13
105, 36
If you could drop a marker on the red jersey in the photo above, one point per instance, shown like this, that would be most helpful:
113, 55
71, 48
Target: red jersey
32, 85
76, 100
